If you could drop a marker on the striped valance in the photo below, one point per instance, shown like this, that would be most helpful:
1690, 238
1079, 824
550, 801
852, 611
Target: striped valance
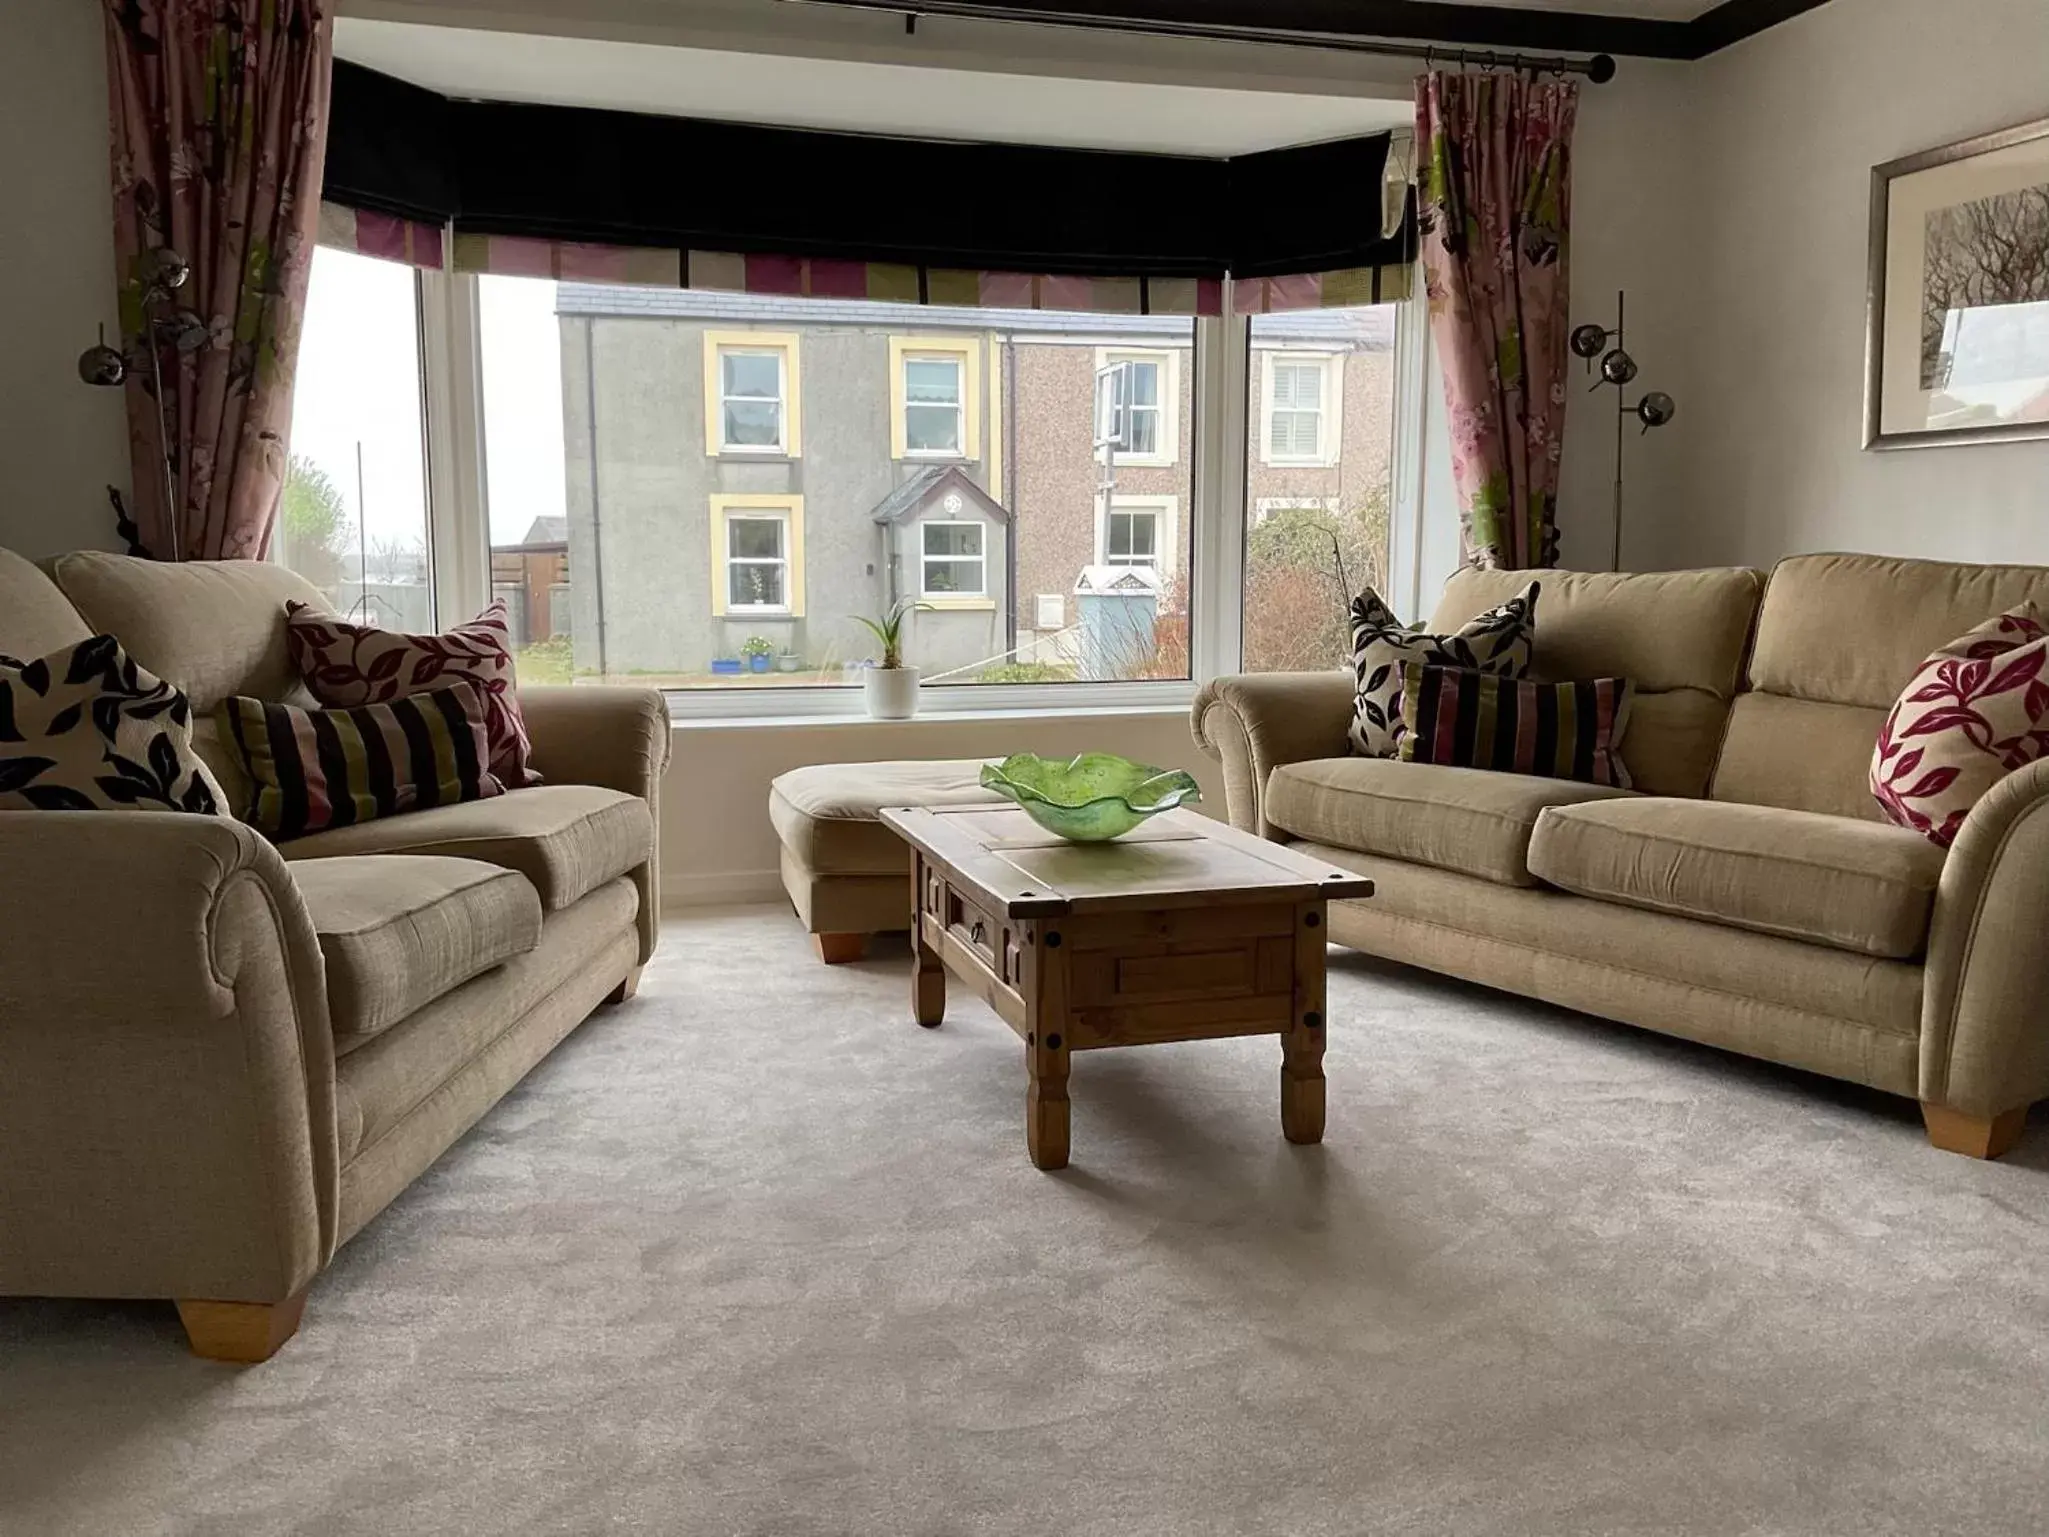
426, 245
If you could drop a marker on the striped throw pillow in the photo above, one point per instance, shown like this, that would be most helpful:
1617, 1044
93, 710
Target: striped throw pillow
316, 769
1471, 719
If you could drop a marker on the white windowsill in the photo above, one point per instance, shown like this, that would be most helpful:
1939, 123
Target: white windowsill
844, 707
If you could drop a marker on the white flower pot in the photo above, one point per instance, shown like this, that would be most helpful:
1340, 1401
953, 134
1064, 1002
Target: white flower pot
892, 692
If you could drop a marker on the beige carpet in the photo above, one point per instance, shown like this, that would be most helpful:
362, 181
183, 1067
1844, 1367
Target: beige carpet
754, 1254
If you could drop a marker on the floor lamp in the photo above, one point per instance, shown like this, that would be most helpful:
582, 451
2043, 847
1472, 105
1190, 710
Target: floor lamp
1619, 369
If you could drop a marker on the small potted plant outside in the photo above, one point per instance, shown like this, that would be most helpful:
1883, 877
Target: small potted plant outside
890, 686
727, 666
789, 661
759, 651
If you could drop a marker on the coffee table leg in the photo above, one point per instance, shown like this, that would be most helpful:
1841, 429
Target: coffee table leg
1302, 1042
1046, 1050
928, 982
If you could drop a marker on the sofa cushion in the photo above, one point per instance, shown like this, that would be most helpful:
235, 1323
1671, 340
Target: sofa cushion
35, 618
1497, 641
398, 931
210, 627
825, 814
1677, 635
1470, 719
1474, 821
565, 839
1838, 637
1833, 881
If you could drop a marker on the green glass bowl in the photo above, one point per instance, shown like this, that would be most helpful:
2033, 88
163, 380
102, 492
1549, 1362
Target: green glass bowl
1092, 798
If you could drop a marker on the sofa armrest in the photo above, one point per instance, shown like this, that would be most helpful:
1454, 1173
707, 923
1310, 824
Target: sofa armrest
1255, 722
614, 737
166, 1066
1984, 1026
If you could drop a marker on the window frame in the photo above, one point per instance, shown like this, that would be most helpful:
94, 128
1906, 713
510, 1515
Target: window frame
954, 596
1226, 373
786, 346
1330, 426
967, 352
723, 510
1165, 512
1166, 452
959, 405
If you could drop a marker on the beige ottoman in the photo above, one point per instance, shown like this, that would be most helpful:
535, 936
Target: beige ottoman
847, 874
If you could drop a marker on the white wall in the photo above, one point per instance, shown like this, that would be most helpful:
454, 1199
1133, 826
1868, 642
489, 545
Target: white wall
718, 846
61, 441
1790, 124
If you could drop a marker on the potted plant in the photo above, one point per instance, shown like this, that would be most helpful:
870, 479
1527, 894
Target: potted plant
890, 686
758, 650
789, 661
726, 666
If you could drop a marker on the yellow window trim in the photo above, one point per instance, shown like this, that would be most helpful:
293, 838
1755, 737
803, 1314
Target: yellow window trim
785, 342
792, 507
968, 350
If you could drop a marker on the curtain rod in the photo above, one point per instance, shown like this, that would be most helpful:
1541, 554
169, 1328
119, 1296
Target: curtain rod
1599, 69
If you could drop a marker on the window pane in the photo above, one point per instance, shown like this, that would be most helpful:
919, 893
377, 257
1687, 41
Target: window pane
757, 374
754, 537
753, 423
931, 380
1145, 384
1317, 533
953, 539
1145, 431
353, 520
755, 584
602, 488
932, 429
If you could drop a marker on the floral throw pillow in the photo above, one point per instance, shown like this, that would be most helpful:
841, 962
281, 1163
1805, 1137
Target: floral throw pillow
1977, 710
347, 665
86, 729
1498, 642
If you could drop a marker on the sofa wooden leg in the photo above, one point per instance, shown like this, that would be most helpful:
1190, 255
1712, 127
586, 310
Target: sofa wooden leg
242, 1332
839, 949
627, 988
1973, 1136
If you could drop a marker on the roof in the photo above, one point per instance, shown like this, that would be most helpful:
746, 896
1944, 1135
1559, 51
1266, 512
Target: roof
547, 530
926, 484
1371, 329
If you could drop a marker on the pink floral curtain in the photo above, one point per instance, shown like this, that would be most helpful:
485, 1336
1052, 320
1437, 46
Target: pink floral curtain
1495, 195
219, 118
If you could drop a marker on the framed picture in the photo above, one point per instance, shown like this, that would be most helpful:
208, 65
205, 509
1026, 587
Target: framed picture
1958, 346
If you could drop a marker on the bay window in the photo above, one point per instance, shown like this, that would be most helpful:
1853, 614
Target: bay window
627, 473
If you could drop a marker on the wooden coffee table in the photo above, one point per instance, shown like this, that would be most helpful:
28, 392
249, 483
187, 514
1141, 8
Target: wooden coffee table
1184, 930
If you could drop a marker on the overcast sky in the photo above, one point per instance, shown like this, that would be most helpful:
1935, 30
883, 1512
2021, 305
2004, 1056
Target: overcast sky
359, 384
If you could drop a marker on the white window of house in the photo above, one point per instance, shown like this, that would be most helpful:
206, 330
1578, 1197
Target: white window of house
953, 561
1136, 531
1138, 400
1266, 506
757, 563
934, 414
752, 396
1299, 425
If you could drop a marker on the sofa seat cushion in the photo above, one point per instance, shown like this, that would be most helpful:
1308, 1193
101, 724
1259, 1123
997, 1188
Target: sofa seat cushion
565, 839
398, 931
1474, 821
1836, 881
826, 814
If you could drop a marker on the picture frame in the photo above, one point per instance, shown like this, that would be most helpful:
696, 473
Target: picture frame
1957, 303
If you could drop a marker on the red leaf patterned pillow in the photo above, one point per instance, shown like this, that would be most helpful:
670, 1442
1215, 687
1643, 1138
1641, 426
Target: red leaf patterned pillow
346, 665
1977, 710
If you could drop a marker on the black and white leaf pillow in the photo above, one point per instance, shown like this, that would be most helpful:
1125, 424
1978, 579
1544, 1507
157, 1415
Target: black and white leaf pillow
1498, 641
109, 736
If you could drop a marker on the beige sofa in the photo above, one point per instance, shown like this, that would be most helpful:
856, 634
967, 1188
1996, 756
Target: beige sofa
1748, 893
219, 1059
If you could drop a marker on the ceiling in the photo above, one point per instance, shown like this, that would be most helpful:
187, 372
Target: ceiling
854, 96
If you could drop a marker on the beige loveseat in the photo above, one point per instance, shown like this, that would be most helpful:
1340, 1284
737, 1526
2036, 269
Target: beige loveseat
218, 1058
1748, 893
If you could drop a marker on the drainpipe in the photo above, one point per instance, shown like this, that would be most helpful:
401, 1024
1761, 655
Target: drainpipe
590, 405
1010, 492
